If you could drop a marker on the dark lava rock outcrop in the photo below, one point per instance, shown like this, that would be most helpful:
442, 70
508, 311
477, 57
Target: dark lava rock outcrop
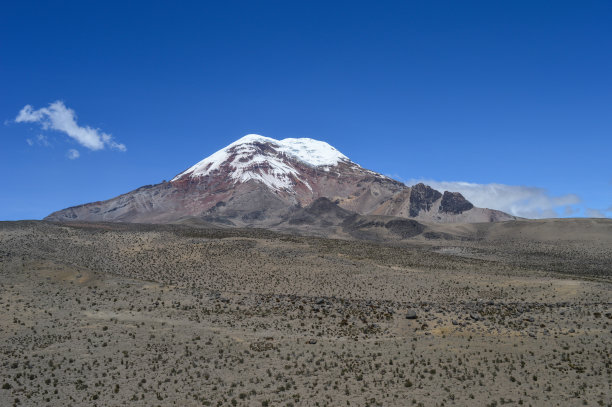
422, 198
454, 202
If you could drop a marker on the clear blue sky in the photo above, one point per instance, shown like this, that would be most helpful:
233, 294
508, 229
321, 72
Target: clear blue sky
516, 93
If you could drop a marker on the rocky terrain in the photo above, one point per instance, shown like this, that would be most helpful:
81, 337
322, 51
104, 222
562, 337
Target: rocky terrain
516, 313
259, 181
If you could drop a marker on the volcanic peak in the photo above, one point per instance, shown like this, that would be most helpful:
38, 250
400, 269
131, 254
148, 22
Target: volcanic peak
260, 181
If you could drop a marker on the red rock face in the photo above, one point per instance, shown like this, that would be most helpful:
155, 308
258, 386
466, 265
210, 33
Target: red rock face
258, 183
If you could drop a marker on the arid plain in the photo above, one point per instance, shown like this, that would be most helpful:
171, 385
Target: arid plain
516, 313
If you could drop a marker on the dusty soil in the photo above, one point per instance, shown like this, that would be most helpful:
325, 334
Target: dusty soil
117, 314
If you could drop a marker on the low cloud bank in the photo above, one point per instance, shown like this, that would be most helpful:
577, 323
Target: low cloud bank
527, 202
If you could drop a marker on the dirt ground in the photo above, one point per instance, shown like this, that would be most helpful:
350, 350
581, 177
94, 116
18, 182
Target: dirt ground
116, 314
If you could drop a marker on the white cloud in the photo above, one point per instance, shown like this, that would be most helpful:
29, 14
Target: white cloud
61, 118
30, 142
527, 202
73, 154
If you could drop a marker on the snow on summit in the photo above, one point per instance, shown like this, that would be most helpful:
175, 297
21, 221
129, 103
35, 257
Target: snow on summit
248, 160
314, 152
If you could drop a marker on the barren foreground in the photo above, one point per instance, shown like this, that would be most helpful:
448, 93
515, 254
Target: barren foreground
115, 314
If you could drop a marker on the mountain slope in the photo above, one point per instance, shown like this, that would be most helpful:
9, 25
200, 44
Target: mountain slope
260, 181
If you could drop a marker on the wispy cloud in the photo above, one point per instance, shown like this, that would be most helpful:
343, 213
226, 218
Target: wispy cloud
594, 213
61, 118
73, 154
570, 210
43, 140
598, 212
40, 140
524, 201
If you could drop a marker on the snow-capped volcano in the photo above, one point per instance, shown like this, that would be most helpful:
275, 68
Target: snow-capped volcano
266, 160
260, 181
